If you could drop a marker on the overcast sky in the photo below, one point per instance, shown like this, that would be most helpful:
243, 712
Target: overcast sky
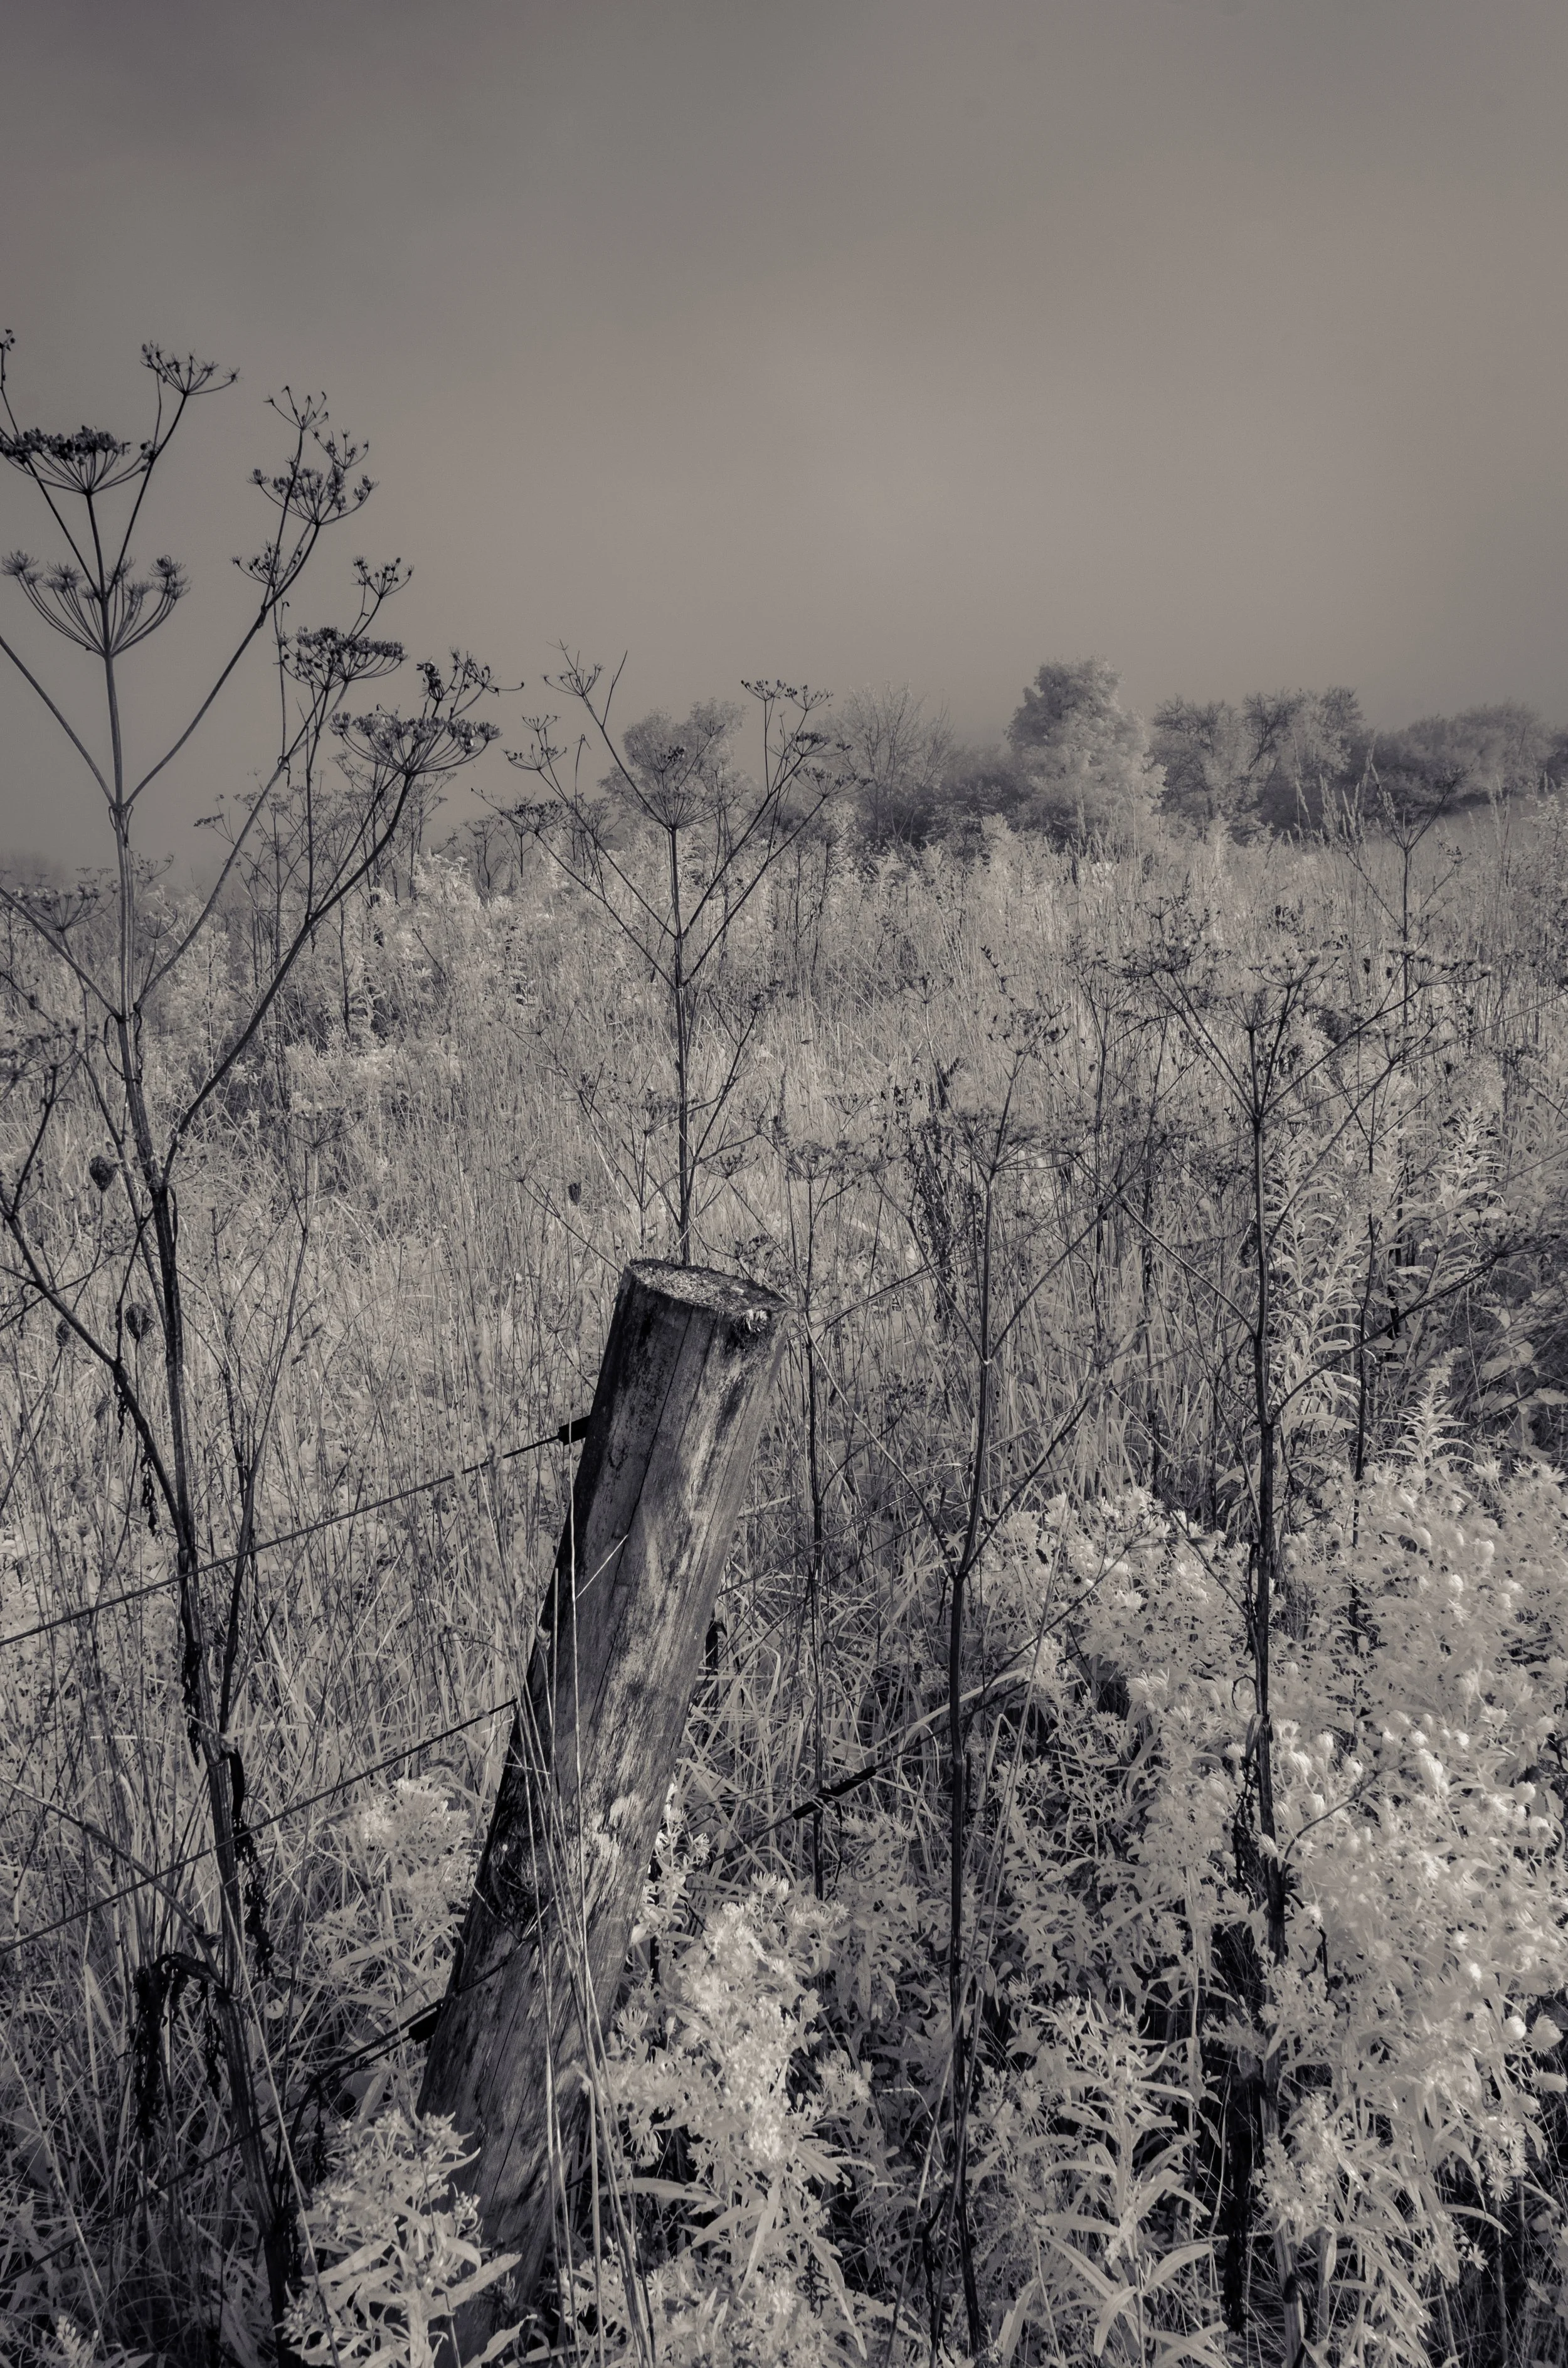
847, 340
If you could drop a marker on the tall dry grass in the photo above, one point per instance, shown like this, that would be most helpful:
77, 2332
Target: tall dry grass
405, 1229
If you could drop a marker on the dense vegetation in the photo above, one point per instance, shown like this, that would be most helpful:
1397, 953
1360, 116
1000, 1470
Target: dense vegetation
1111, 1901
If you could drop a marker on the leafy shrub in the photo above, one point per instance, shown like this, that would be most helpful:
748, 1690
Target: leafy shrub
720, 2072
395, 2247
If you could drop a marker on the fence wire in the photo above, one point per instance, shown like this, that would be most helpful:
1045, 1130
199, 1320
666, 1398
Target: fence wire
412, 2027
565, 1434
158, 1875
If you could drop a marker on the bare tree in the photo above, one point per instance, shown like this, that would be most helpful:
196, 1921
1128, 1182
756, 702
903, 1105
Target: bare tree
898, 755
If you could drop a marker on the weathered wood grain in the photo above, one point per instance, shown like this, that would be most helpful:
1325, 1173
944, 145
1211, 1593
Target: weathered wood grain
682, 1394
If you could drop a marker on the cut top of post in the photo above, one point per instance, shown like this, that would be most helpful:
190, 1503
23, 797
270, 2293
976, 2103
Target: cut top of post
680, 1401
751, 1304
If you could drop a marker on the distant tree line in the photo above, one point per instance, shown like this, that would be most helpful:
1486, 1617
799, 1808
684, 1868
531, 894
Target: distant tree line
1079, 766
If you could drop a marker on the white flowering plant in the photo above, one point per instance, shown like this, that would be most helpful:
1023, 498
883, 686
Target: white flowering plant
1410, 2027
733, 2105
395, 2251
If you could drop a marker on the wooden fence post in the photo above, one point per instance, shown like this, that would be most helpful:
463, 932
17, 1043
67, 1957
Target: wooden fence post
682, 1392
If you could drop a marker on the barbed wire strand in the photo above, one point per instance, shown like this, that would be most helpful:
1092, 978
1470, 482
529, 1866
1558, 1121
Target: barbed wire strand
564, 1435
255, 1825
411, 2027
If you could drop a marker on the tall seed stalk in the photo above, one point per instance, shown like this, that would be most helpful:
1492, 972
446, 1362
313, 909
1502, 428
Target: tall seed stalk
104, 1060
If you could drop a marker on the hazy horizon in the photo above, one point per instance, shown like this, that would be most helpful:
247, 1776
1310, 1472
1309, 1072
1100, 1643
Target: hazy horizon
853, 343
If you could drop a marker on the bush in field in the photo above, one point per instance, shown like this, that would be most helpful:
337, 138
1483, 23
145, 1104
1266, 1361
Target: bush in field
1420, 1694
395, 2251
721, 2076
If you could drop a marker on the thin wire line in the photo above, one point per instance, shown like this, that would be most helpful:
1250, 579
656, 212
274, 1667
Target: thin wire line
564, 1435
90, 1610
366, 2053
255, 1825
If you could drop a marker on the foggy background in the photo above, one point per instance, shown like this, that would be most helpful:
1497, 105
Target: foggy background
850, 340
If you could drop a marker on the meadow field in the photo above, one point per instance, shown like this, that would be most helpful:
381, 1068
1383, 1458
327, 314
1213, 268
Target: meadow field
1173, 1419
